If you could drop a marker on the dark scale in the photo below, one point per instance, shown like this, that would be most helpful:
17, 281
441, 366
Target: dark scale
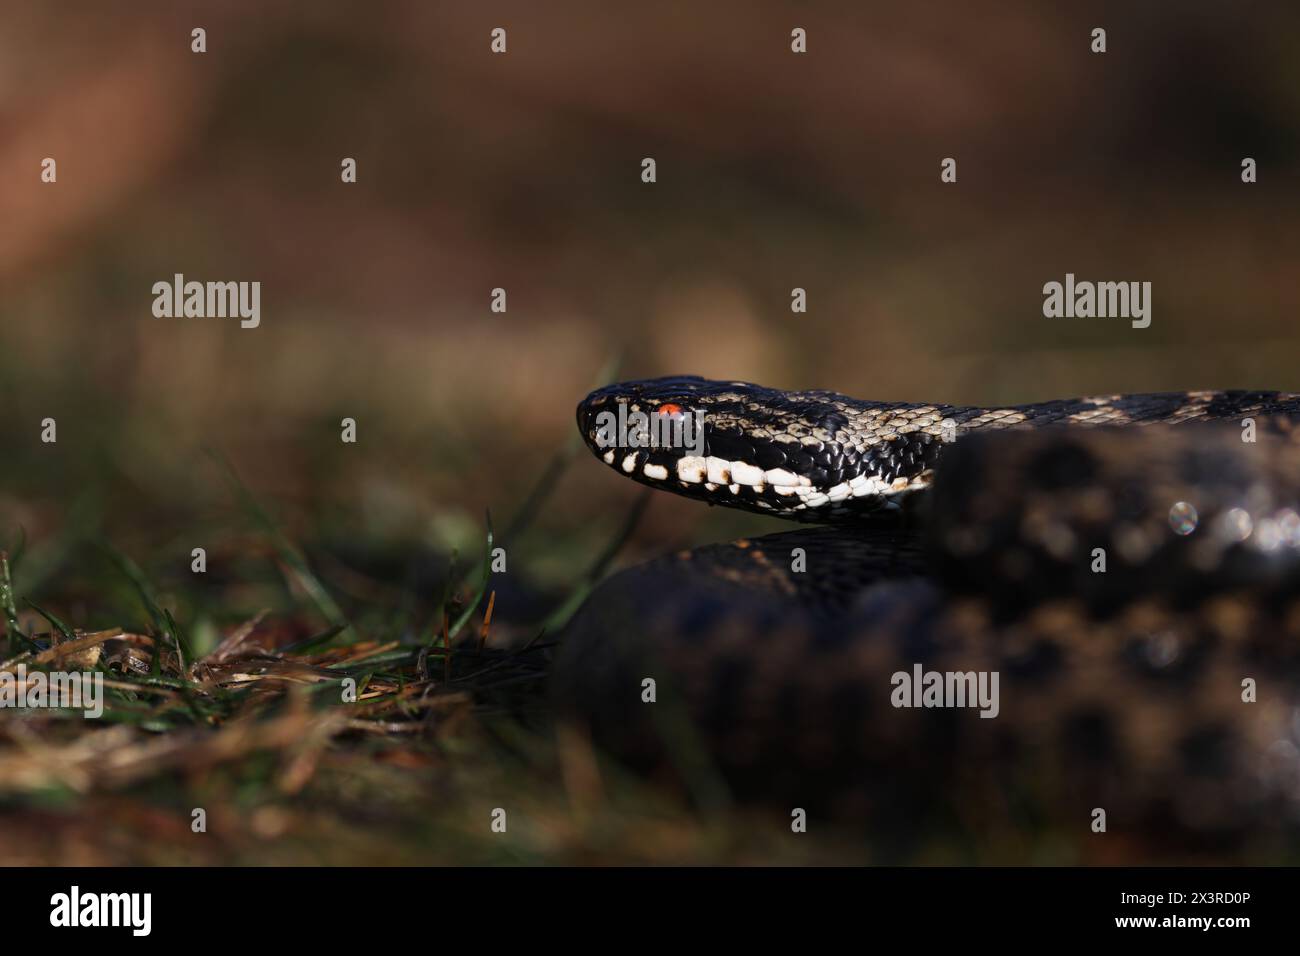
728, 445
813, 700
769, 455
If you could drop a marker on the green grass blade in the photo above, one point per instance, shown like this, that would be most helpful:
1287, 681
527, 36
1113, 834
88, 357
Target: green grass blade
570, 604
289, 554
58, 625
484, 577
161, 619
18, 641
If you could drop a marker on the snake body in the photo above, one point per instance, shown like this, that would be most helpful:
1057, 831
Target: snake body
1136, 590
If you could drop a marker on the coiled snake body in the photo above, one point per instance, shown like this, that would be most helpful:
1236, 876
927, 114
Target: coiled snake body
1129, 596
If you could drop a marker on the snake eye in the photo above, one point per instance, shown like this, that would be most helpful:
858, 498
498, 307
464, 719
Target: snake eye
668, 409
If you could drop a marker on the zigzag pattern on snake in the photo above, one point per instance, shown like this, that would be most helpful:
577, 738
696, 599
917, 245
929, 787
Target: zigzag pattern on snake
1161, 684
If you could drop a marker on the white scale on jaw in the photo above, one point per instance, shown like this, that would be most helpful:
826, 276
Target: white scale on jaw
715, 472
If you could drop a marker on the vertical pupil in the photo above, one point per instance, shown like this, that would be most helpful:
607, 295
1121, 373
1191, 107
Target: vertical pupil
669, 408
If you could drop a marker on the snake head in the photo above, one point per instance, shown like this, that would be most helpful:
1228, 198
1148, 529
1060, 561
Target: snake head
645, 429
810, 456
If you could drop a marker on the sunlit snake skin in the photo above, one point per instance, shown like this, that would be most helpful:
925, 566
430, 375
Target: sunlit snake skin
1119, 689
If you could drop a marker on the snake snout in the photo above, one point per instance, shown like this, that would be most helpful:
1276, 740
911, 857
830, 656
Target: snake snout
645, 429
809, 456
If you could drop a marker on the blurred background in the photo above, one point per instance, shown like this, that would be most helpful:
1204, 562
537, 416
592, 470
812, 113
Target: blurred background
523, 171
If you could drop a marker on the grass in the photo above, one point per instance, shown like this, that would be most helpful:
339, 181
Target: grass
329, 731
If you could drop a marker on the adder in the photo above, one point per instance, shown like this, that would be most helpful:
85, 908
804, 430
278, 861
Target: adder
1125, 565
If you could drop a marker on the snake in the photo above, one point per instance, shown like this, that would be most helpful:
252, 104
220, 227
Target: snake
1065, 630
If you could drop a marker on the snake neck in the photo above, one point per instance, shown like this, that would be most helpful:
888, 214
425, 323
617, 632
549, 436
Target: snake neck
823, 457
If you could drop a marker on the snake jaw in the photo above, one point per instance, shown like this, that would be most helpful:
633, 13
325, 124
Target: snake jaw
806, 456
1125, 682
848, 458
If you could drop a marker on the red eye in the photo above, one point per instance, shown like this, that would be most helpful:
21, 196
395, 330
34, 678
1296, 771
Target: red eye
668, 408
